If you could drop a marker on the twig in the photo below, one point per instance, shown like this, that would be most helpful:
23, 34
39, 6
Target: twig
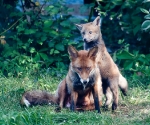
41, 9
11, 26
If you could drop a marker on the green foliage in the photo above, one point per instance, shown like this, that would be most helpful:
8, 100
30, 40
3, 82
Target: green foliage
136, 63
125, 29
146, 23
124, 20
37, 40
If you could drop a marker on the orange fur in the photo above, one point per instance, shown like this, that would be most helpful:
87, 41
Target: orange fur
84, 95
111, 76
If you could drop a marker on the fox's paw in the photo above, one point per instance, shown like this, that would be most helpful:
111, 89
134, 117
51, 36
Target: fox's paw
114, 106
105, 107
124, 92
58, 109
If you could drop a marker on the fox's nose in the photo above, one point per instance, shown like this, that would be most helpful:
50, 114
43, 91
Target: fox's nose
84, 82
85, 40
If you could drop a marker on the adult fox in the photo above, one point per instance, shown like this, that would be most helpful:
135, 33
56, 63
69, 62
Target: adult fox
111, 76
81, 89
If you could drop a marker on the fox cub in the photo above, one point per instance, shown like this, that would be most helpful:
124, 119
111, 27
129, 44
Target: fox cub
81, 89
111, 76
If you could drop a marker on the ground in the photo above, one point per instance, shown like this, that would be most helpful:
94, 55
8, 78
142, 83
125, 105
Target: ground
133, 109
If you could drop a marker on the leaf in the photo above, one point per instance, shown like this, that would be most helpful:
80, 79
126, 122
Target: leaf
120, 41
55, 11
44, 56
143, 60
65, 23
53, 33
40, 42
147, 16
60, 47
43, 38
44, 49
37, 57
30, 31
60, 65
32, 50
51, 60
128, 65
70, 10
117, 2
125, 55
48, 23
136, 29
145, 1
56, 51
148, 57
20, 29
51, 44
144, 10
51, 51
146, 25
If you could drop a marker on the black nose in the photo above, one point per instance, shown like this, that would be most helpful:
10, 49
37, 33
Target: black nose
84, 82
85, 40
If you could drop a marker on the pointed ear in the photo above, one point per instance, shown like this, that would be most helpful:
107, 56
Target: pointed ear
97, 21
72, 52
79, 26
93, 52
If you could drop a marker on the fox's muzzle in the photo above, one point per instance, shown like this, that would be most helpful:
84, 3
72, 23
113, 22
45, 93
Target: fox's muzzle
85, 40
84, 81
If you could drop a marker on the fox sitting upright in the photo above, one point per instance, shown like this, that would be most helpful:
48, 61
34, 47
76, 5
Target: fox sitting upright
82, 83
84, 76
111, 76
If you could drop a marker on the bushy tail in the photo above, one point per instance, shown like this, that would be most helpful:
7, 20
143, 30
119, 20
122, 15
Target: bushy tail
38, 97
123, 85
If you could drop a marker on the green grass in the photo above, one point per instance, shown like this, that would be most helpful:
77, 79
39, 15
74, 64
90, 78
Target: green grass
133, 109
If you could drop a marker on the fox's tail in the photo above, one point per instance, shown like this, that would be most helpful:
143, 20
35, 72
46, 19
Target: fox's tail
38, 97
123, 85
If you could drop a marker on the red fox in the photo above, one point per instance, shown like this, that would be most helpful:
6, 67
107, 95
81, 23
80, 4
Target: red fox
111, 76
84, 76
80, 90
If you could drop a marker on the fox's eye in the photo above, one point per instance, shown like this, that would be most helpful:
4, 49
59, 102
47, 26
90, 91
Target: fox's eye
90, 32
79, 68
83, 33
88, 68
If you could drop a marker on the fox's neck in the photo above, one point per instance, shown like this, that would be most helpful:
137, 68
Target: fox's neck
100, 39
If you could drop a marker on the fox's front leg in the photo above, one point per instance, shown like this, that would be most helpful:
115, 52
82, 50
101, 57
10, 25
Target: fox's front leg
96, 98
97, 93
74, 96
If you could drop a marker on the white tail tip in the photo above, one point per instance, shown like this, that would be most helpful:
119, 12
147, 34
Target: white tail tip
26, 102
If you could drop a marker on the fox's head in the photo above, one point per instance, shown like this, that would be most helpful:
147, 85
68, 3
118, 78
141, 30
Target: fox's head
90, 31
83, 63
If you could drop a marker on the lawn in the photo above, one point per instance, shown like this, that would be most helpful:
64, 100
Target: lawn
133, 109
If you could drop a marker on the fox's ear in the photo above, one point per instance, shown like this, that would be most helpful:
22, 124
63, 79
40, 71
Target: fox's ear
79, 26
72, 52
97, 21
93, 52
